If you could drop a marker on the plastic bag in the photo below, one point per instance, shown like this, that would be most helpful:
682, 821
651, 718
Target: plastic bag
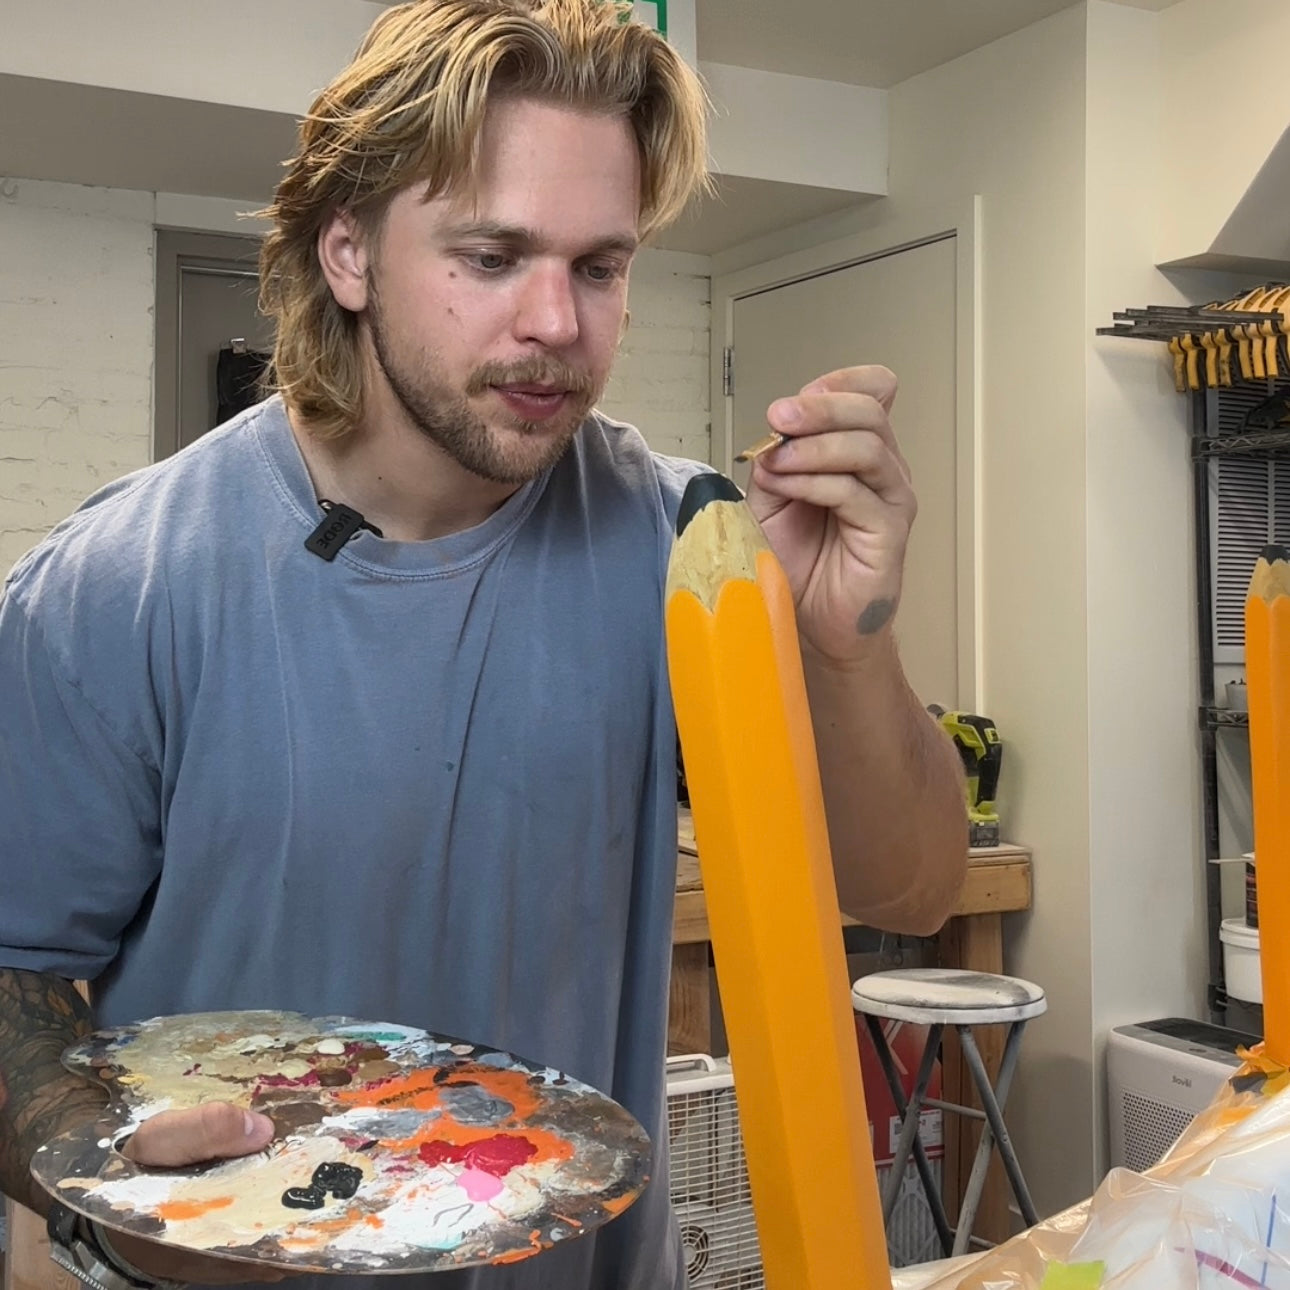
1214, 1214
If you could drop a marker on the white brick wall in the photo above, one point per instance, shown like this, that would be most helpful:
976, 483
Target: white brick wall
76, 350
76, 297
661, 380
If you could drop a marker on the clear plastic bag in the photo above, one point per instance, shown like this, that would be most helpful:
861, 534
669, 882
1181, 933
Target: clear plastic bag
1214, 1214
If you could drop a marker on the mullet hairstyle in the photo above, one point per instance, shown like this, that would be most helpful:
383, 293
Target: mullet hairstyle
409, 109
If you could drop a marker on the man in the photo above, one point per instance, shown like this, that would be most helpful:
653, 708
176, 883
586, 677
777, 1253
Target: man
423, 771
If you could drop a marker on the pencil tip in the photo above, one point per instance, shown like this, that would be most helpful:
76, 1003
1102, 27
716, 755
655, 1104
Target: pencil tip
708, 487
1272, 553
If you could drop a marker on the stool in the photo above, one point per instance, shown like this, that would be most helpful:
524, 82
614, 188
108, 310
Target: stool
936, 998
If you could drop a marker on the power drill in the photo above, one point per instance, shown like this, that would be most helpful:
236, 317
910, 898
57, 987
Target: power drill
979, 745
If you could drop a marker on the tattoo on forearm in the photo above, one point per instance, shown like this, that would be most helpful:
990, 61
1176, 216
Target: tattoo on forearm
875, 616
39, 1098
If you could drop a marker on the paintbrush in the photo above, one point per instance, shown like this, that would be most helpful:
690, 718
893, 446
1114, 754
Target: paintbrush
763, 844
772, 440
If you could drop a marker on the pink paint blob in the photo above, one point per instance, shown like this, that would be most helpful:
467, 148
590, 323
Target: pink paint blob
478, 1185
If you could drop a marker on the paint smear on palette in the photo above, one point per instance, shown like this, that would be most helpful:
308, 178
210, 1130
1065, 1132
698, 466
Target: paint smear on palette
397, 1150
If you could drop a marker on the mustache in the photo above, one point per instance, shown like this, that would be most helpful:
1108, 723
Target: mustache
530, 371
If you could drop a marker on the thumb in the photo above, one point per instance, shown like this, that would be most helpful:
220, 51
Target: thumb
212, 1131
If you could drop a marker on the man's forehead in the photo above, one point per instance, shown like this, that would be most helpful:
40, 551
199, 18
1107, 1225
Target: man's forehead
465, 213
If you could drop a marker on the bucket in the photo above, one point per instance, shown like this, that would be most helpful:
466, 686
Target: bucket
1241, 960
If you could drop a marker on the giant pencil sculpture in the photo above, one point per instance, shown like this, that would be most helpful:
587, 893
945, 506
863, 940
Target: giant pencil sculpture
1267, 675
763, 846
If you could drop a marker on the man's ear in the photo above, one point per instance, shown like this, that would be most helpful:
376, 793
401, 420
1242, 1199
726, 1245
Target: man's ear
627, 322
344, 256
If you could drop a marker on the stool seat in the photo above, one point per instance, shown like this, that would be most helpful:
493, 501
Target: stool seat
947, 996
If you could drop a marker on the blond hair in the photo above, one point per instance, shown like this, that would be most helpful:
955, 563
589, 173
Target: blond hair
410, 109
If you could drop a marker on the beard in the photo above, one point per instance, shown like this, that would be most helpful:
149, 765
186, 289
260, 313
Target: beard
507, 450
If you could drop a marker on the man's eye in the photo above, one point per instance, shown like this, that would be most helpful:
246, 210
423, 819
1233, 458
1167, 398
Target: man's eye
490, 261
602, 272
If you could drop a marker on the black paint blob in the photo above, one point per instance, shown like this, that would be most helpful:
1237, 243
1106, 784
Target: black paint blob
340, 1179
303, 1198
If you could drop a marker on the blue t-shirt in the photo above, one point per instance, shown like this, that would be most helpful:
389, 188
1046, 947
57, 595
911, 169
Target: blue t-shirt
429, 782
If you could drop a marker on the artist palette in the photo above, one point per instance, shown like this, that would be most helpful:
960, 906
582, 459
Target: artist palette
396, 1151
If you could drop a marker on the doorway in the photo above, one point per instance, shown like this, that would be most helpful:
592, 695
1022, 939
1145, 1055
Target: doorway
206, 308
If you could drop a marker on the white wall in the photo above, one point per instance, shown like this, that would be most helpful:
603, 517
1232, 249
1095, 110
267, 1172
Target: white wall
231, 53
767, 125
660, 381
192, 58
1089, 628
1212, 150
76, 298
1147, 911
76, 340
1007, 122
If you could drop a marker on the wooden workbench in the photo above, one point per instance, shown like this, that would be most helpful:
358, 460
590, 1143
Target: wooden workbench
998, 882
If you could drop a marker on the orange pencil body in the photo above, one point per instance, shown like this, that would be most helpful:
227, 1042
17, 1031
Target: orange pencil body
1267, 668
763, 848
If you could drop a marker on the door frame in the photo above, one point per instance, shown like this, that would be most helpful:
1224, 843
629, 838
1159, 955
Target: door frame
178, 251
961, 221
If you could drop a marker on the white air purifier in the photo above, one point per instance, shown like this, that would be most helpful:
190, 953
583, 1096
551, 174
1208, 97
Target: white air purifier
1160, 1076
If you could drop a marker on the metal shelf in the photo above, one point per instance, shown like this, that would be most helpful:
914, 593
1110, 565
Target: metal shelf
1252, 441
1223, 719
1173, 322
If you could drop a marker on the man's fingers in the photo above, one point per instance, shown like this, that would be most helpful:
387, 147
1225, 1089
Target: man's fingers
817, 413
213, 1131
872, 379
864, 454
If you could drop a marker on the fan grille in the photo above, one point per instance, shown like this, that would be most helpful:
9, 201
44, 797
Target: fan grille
709, 1191
711, 1197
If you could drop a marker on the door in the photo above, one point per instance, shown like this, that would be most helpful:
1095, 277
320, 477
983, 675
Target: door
206, 300
899, 310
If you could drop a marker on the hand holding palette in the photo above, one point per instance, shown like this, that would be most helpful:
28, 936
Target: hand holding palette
396, 1151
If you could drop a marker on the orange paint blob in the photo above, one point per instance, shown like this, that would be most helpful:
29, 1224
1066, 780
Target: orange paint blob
181, 1211
420, 1091
536, 1246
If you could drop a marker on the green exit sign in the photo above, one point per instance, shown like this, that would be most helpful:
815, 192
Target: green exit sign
653, 13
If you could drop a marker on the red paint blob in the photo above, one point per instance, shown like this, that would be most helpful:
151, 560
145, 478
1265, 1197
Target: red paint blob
497, 1155
287, 1081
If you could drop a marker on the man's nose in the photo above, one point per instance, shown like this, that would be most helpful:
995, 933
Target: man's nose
548, 311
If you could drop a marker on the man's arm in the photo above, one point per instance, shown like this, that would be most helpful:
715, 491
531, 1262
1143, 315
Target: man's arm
40, 1015
836, 502
893, 792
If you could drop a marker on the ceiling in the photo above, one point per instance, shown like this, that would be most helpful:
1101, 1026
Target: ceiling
741, 209
862, 42
118, 139
83, 134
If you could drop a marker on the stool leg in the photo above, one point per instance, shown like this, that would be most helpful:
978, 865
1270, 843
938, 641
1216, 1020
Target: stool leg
994, 1104
991, 1100
909, 1122
934, 1201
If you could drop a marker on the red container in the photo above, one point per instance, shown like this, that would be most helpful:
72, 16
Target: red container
906, 1041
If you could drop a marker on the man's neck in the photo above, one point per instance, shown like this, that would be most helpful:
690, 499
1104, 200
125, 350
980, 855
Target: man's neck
398, 479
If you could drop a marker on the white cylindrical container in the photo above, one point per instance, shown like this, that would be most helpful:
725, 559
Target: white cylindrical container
1241, 960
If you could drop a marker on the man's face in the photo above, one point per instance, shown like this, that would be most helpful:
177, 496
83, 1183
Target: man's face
494, 317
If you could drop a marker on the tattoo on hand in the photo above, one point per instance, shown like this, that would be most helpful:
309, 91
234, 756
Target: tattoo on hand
875, 617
